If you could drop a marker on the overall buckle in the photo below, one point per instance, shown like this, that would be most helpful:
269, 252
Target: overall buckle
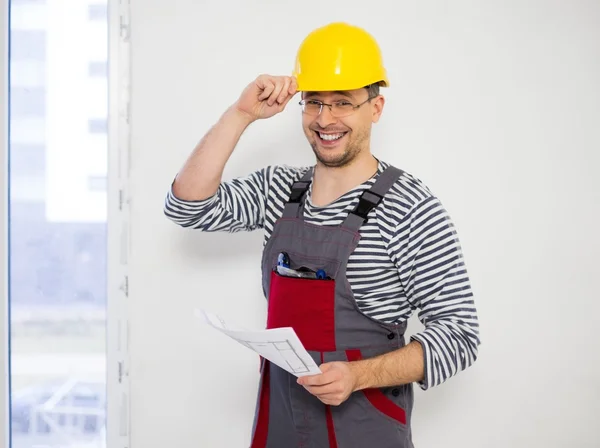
298, 189
367, 201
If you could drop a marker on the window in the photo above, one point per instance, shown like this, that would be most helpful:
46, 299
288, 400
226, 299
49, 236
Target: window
99, 69
97, 183
27, 102
97, 126
28, 73
97, 11
27, 44
57, 223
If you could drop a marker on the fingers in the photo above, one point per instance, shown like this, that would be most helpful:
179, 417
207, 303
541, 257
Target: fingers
285, 88
317, 380
266, 85
293, 88
332, 386
326, 390
276, 89
332, 395
329, 375
278, 95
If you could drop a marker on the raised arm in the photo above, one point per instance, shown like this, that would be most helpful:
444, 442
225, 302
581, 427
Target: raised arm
198, 197
239, 204
202, 172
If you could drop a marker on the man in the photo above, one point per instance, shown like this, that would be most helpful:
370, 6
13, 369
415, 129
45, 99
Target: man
382, 241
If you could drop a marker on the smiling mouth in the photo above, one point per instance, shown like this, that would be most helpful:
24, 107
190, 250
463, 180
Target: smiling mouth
330, 137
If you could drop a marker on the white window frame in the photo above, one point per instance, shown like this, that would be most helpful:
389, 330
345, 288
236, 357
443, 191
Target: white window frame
119, 111
4, 359
118, 427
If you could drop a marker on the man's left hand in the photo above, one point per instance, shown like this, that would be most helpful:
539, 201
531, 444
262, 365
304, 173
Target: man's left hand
334, 385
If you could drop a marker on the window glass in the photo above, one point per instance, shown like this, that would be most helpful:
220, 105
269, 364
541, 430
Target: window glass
57, 222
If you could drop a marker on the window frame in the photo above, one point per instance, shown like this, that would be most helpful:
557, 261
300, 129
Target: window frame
4, 250
117, 346
118, 234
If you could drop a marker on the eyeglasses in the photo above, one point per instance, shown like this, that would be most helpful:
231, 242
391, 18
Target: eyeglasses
339, 109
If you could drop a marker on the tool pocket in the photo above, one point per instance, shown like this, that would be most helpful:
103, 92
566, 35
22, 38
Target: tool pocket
362, 415
304, 264
380, 411
305, 304
392, 402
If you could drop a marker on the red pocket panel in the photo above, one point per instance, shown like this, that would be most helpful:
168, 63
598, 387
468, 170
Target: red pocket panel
262, 424
306, 305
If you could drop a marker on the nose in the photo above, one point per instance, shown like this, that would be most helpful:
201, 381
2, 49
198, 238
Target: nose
325, 118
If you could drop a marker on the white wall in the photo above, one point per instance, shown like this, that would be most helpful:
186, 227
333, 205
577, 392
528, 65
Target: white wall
495, 105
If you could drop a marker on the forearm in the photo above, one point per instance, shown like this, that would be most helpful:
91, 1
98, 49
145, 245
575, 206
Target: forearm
202, 172
402, 366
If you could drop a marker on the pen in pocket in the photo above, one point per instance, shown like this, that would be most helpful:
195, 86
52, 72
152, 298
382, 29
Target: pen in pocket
283, 268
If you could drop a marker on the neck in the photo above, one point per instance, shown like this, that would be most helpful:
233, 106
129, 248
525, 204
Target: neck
329, 183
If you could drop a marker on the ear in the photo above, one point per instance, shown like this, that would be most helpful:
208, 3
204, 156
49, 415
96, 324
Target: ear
377, 107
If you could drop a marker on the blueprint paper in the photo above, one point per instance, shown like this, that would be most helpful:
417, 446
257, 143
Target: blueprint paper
281, 346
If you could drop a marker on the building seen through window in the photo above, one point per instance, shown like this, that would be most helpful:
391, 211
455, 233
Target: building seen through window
57, 222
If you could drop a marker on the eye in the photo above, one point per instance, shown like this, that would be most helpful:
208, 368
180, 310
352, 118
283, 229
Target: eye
343, 104
313, 103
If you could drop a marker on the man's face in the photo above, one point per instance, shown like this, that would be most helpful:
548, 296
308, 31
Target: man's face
336, 141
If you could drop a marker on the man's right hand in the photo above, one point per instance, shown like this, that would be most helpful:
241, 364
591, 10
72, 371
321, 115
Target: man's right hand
201, 175
266, 96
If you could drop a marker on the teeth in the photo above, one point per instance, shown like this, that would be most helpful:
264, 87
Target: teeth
330, 137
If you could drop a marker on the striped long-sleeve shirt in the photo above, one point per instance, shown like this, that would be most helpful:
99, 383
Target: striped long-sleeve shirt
409, 256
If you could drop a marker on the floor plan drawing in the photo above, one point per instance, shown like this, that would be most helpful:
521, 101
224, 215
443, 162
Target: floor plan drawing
281, 346
286, 352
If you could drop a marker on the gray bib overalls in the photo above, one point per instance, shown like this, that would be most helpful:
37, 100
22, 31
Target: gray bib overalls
324, 314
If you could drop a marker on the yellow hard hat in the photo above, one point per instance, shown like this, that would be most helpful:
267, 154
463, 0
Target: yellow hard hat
339, 56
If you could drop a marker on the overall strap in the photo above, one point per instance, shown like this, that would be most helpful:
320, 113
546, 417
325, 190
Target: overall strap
296, 199
371, 198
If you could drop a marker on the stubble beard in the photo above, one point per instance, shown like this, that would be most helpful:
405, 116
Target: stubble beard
350, 153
